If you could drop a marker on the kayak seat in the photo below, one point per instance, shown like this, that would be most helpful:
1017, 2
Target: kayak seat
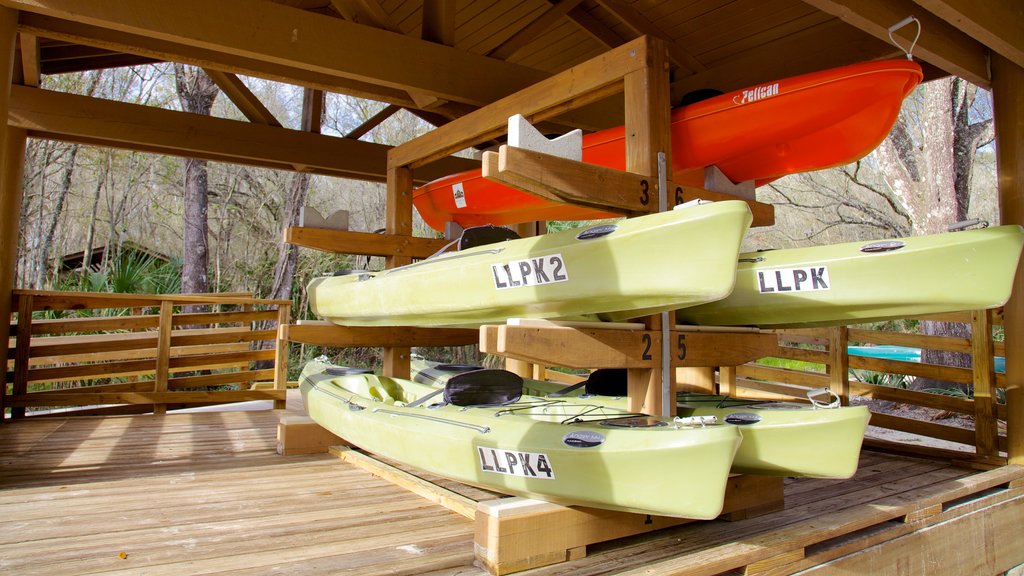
608, 382
483, 388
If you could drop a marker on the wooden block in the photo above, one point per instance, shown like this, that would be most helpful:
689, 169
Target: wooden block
514, 534
301, 435
774, 562
751, 496
922, 513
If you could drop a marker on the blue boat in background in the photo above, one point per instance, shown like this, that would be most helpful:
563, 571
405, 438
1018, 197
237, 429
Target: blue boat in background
904, 354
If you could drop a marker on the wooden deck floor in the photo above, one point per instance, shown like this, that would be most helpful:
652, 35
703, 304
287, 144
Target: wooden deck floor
206, 493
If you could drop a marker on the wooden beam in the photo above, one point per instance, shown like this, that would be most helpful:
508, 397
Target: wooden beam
941, 43
30, 59
998, 24
1008, 112
362, 243
328, 334
145, 49
76, 118
588, 82
299, 39
600, 187
243, 98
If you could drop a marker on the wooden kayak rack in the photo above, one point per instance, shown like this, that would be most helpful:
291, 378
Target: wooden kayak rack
514, 534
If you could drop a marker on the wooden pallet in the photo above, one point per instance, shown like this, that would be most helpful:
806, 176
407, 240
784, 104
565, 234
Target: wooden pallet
514, 534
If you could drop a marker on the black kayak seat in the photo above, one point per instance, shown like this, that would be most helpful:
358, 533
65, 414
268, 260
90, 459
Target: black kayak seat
485, 387
607, 382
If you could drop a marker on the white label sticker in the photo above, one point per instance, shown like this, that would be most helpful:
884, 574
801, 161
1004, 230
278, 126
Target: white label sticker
459, 194
514, 463
530, 272
793, 280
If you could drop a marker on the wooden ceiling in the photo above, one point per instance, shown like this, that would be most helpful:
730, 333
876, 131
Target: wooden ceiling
445, 58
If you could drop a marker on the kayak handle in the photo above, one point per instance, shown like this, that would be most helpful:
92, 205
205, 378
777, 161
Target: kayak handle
832, 400
901, 24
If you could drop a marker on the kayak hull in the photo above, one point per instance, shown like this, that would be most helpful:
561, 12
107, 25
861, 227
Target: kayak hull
808, 122
779, 438
559, 275
842, 284
664, 470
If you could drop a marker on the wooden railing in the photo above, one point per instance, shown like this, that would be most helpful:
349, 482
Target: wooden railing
818, 357
828, 364
131, 353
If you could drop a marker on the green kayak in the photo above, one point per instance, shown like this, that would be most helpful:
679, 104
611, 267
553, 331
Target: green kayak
484, 433
820, 440
868, 281
614, 271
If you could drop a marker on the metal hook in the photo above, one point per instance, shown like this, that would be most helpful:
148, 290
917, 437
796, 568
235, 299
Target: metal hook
901, 24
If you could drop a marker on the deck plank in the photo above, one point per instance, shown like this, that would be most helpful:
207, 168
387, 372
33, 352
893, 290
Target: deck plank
206, 493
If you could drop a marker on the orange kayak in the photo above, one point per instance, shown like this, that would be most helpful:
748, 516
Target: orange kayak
761, 133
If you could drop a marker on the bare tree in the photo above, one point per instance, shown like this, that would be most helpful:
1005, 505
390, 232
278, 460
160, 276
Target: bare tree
196, 91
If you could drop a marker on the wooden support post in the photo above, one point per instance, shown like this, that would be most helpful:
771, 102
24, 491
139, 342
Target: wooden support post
648, 105
727, 380
1008, 112
163, 352
281, 357
22, 351
839, 363
399, 223
986, 433
12, 158
699, 379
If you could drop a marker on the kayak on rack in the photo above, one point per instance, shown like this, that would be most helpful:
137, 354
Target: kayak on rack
614, 271
484, 432
819, 440
808, 122
859, 282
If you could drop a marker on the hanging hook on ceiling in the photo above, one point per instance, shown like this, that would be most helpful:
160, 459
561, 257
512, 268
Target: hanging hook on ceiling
901, 24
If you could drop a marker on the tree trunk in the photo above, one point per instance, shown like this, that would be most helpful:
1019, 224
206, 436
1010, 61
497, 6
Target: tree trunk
196, 91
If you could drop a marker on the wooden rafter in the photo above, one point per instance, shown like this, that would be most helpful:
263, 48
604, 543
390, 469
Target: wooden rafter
439, 21
30, 59
374, 121
300, 40
242, 97
366, 12
534, 29
74, 118
642, 26
997, 24
941, 43
597, 30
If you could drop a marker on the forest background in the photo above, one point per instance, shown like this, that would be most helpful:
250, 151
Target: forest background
937, 167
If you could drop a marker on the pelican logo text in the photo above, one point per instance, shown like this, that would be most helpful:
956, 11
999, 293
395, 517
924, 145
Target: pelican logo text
756, 93
530, 272
793, 280
515, 463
